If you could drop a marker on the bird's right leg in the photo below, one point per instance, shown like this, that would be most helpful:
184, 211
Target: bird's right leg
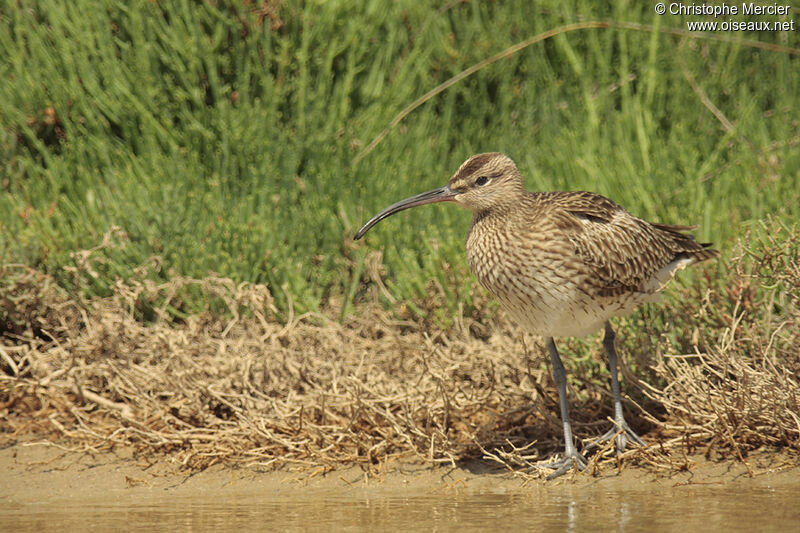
621, 432
571, 455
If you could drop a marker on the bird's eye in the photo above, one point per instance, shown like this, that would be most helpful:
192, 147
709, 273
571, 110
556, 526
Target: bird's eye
483, 180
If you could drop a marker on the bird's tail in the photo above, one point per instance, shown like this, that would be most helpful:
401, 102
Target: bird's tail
688, 248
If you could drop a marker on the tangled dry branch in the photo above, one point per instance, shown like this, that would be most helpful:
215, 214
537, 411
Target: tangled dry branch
233, 384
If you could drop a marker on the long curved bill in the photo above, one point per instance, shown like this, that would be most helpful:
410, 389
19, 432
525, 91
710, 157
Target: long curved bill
442, 194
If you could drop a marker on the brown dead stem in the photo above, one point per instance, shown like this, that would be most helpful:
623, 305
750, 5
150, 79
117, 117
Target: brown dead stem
237, 386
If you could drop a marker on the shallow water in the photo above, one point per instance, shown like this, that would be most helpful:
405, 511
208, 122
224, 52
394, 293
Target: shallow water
743, 507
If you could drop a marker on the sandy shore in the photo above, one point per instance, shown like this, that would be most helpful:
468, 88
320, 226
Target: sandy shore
39, 473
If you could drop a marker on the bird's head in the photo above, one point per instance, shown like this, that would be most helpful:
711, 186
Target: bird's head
486, 181
483, 182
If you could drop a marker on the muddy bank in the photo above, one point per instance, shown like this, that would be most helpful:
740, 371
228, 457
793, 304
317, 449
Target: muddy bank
41, 474
44, 489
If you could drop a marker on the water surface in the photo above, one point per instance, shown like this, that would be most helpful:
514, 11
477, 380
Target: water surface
751, 505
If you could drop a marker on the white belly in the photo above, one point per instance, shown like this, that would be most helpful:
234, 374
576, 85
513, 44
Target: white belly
565, 315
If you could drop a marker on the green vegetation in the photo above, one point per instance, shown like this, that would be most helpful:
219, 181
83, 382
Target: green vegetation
220, 136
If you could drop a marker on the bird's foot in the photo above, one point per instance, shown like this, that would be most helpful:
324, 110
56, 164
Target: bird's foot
562, 466
621, 433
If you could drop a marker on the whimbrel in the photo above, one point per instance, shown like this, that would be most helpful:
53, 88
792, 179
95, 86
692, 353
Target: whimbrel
561, 264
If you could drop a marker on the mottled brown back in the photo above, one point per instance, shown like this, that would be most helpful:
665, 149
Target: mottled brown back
623, 252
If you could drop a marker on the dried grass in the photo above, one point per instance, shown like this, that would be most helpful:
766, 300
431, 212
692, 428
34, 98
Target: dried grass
234, 385
743, 391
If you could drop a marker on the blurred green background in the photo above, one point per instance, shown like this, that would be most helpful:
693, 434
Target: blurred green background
221, 136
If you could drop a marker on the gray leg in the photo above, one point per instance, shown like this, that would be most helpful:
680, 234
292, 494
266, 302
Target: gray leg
622, 432
571, 455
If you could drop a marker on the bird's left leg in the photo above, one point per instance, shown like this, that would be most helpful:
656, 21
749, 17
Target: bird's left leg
571, 455
621, 431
